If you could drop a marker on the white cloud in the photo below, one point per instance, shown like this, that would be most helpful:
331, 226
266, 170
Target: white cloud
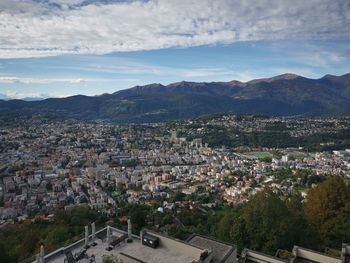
12, 94
128, 68
309, 53
38, 80
77, 81
321, 57
135, 67
48, 28
21, 80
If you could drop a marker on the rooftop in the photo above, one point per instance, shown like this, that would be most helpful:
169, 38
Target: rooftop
220, 250
303, 255
134, 249
251, 256
198, 249
152, 247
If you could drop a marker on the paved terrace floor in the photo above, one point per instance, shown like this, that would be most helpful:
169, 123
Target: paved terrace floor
134, 249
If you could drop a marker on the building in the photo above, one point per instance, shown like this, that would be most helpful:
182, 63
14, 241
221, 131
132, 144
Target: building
250, 256
150, 247
153, 247
298, 255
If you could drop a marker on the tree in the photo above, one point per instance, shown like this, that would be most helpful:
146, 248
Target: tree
20, 241
167, 219
327, 210
5, 257
58, 235
302, 234
265, 224
138, 215
178, 196
224, 227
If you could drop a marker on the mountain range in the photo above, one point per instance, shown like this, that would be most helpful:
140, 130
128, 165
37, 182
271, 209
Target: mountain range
283, 95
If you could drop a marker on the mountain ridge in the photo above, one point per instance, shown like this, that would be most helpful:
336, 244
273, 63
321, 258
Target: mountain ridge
283, 95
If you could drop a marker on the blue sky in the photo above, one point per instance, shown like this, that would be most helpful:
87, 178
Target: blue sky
66, 47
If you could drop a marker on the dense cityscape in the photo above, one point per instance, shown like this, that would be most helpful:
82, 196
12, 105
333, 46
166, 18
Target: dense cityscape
158, 173
68, 163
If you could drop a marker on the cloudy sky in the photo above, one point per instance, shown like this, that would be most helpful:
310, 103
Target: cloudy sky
55, 48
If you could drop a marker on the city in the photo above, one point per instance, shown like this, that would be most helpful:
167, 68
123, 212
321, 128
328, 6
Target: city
174, 131
50, 163
71, 163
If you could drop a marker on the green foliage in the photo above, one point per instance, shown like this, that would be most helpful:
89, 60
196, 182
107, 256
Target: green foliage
224, 225
328, 210
128, 163
268, 222
4, 255
191, 218
283, 174
21, 241
138, 215
178, 196
265, 224
179, 232
80, 163
58, 235
109, 259
167, 219
79, 216
278, 136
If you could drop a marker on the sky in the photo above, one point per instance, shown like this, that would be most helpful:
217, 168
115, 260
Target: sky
58, 48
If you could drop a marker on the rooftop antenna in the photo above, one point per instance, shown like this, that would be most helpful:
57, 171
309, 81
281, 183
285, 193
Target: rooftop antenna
129, 240
108, 234
41, 256
93, 230
86, 236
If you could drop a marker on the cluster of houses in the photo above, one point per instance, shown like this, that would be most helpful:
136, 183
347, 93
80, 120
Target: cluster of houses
69, 163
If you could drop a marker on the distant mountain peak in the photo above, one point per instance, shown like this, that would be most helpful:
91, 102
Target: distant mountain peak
285, 76
236, 83
181, 83
152, 85
330, 76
